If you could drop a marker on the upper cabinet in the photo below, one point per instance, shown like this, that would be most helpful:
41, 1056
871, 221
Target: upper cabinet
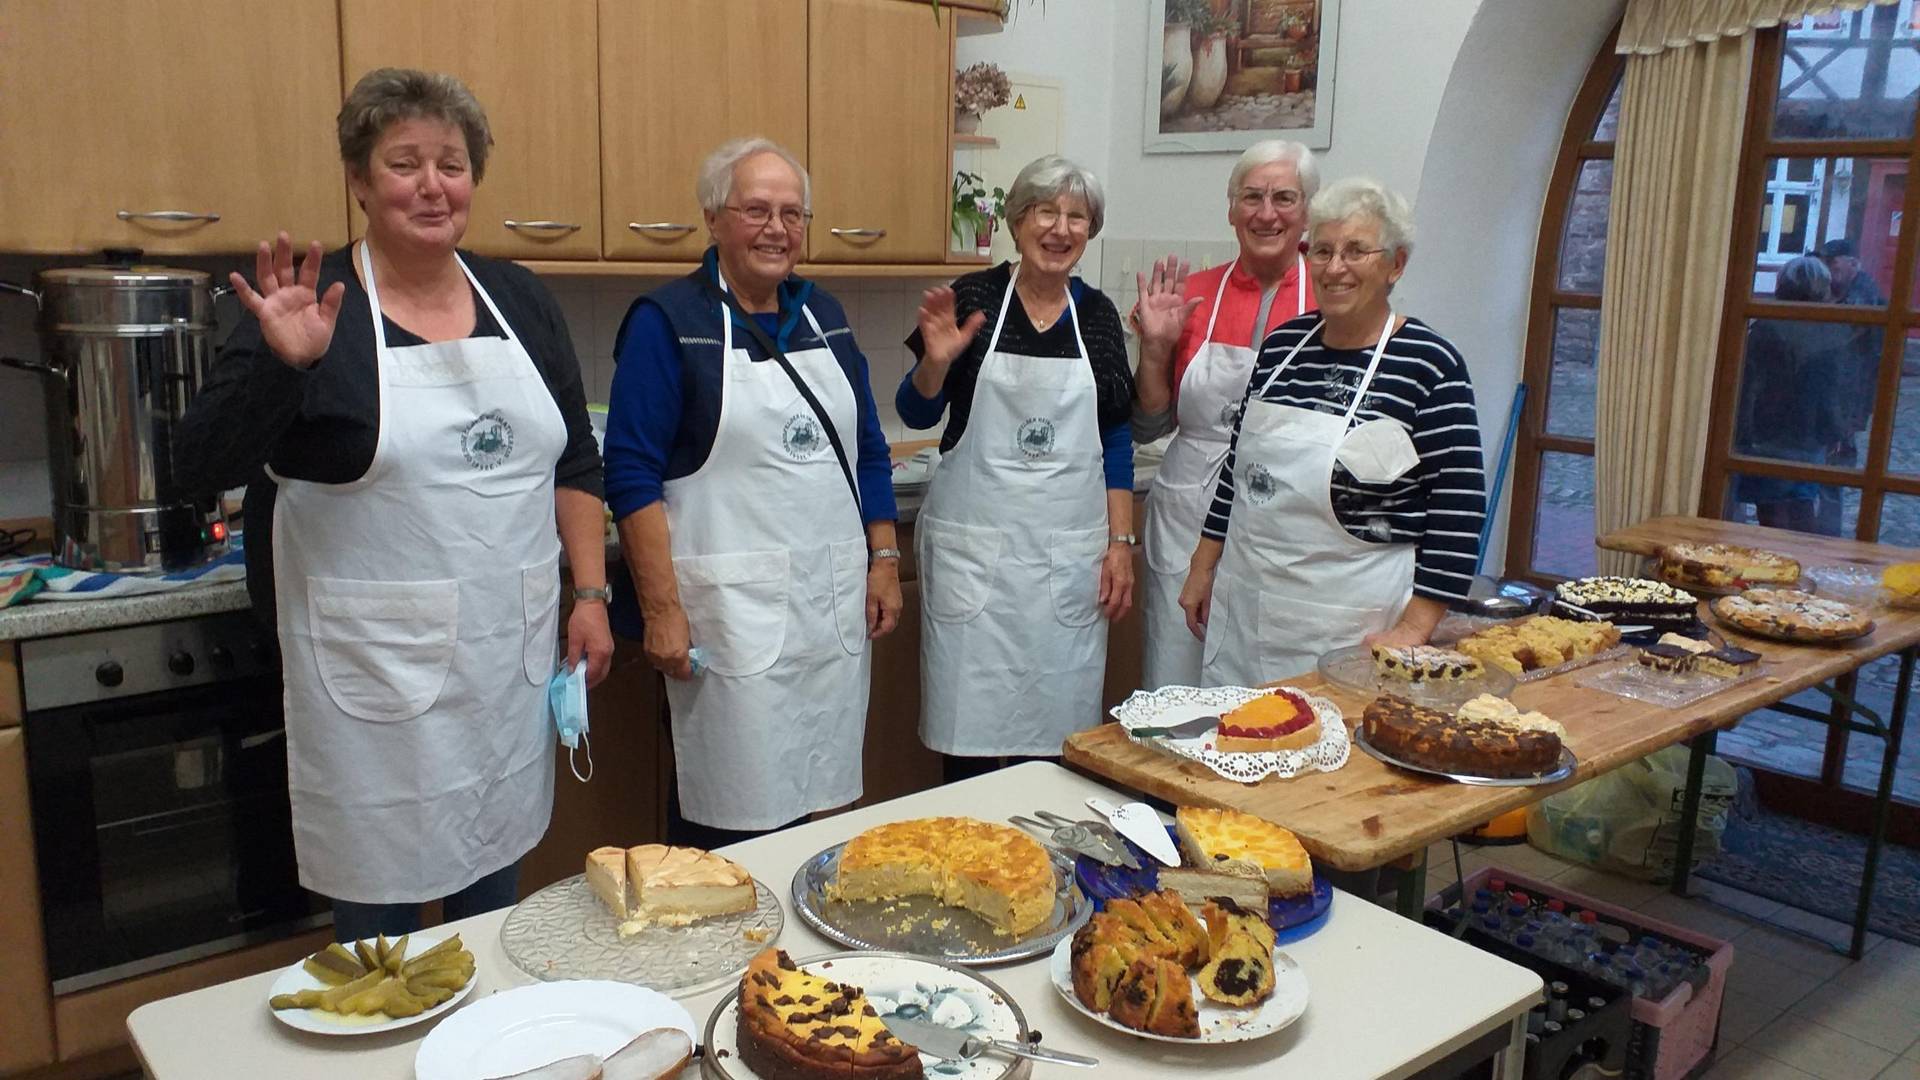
677, 79
879, 114
176, 128
534, 66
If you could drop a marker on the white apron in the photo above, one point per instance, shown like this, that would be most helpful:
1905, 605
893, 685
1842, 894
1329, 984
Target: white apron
1293, 583
771, 560
1010, 540
418, 611
1211, 389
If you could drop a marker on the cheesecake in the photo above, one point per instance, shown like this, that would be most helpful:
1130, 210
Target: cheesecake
1232, 842
999, 873
657, 885
794, 1024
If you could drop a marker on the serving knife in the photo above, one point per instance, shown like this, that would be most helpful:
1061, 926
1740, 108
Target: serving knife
955, 1045
1137, 822
1186, 729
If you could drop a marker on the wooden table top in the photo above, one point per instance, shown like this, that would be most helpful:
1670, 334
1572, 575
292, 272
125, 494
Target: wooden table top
1367, 814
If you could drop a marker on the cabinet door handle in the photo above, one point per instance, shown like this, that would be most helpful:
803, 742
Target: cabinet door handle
860, 234
660, 226
164, 215
542, 226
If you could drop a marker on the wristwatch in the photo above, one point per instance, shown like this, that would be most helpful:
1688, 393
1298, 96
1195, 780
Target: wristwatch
604, 594
883, 553
1123, 538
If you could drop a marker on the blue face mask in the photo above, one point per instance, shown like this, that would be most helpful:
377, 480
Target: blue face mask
567, 700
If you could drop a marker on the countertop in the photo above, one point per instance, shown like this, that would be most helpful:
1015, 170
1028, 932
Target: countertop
1389, 996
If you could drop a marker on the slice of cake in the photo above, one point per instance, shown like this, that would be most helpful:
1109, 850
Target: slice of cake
674, 886
1726, 662
1233, 842
607, 877
1156, 995
1423, 663
1662, 657
795, 1025
1241, 883
1240, 970
1281, 720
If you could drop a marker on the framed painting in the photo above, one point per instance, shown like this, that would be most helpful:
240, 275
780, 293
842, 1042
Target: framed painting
1225, 74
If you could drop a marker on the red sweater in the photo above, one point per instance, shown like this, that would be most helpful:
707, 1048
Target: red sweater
1238, 306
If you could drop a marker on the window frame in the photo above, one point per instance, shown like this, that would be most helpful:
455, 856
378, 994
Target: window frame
1577, 147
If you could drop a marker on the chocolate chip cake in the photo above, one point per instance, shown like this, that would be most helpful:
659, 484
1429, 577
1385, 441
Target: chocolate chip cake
1470, 746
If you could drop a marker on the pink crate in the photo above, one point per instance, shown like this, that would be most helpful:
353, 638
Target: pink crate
1677, 1033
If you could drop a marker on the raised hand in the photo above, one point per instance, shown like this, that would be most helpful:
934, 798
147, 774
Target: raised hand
296, 323
1163, 310
943, 337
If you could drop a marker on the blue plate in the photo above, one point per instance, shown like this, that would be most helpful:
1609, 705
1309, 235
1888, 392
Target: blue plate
1294, 917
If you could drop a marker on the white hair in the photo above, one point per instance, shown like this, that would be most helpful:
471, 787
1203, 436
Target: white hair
715, 184
1269, 151
1049, 177
1361, 196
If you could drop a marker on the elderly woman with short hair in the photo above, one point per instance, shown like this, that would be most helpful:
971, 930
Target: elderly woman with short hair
754, 491
1350, 503
420, 417
1025, 538
1199, 334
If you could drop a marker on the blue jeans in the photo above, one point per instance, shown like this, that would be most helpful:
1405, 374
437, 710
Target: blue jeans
354, 921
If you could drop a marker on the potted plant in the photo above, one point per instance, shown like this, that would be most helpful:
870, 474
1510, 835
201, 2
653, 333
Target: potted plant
1297, 26
1292, 72
1212, 37
975, 209
975, 90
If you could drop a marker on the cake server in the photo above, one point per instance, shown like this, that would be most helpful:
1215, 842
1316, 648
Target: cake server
1186, 729
1137, 822
1074, 839
1101, 832
953, 1044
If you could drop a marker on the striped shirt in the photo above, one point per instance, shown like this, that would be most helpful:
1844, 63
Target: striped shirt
1422, 384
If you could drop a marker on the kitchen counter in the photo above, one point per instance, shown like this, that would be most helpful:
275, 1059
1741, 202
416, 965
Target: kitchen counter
1389, 996
46, 618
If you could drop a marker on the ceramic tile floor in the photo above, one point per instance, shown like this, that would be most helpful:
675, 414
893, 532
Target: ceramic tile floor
1794, 1008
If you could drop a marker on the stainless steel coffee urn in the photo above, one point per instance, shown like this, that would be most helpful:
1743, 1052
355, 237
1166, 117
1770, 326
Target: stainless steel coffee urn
124, 348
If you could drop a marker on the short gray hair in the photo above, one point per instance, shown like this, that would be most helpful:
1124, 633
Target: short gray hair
715, 184
1361, 196
1804, 278
1269, 151
1047, 178
385, 96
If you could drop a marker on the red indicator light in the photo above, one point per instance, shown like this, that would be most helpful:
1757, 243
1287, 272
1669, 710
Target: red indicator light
219, 530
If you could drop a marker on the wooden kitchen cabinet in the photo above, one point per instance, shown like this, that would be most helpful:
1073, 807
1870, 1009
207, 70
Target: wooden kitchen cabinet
219, 112
534, 65
734, 68
879, 124
26, 997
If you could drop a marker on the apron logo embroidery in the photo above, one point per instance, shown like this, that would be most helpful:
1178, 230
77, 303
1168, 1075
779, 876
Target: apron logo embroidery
1260, 485
488, 441
802, 437
1036, 437
1230, 413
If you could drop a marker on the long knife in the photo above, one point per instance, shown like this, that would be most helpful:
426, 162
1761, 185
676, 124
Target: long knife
954, 1045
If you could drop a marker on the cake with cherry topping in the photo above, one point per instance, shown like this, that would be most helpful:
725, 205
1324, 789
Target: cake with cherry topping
1280, 720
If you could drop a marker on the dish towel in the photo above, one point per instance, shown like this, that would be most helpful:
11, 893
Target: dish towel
35, 577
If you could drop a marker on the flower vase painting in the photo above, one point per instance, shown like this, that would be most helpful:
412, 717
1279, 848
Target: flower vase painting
1229, 73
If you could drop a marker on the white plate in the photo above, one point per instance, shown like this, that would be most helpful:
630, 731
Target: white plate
295, 978
1172, 705
528, 1026
1218, 1023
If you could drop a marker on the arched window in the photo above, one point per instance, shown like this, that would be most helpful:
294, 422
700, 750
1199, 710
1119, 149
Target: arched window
1550, 527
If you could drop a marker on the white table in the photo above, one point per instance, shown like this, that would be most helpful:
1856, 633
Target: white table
1388, 995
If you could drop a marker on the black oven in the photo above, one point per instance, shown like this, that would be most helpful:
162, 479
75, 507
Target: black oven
157, 767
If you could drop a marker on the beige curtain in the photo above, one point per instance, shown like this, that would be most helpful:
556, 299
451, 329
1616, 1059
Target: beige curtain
1675, 166
1653, 26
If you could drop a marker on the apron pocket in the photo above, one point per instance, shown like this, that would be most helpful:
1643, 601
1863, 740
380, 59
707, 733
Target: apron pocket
540, 599
1175, 513
957, 567
849, 558
736, 607
1073, 573
1217, 622
383, 648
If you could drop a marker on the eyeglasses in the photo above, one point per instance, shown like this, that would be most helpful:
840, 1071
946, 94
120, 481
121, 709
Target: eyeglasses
1252, 199
758, 214
1047, 217
1351, 254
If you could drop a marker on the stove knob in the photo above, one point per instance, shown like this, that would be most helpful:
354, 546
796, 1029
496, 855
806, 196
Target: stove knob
221, 656
109, 673
180, 663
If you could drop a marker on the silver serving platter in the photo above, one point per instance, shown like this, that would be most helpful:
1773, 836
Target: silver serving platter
921, 926
1564, 770
565, 932
902, 977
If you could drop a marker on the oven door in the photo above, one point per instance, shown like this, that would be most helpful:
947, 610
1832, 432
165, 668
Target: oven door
162, 830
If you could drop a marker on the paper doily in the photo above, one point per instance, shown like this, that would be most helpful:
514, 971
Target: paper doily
1171, 705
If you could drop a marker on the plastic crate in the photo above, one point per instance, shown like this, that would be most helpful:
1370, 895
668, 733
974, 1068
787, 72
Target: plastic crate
1672, 1038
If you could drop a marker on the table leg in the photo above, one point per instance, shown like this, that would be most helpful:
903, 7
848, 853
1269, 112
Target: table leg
1510, 1062
1882, 799
1698, 748
1412, 893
